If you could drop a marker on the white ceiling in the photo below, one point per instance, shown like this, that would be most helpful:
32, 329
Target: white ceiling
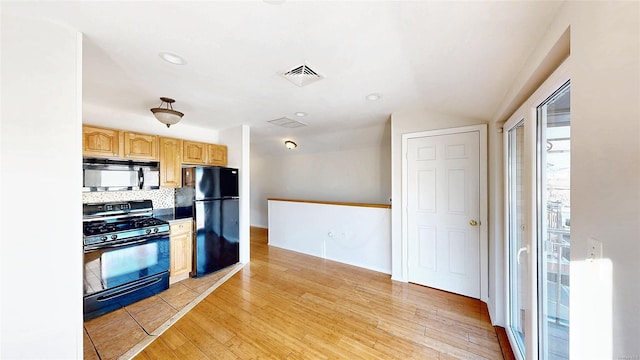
458, 58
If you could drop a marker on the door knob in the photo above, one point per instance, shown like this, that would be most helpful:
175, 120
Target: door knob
473, 222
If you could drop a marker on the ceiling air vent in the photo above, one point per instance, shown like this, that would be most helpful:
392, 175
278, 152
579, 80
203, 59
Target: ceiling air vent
302, 75
287, 123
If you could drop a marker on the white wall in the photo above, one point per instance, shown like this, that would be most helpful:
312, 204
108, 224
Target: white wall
41, 178
354, 175
354, 235
605, 172
605, 168
143, 121
238, 144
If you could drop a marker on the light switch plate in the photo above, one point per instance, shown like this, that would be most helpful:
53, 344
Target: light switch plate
594, 250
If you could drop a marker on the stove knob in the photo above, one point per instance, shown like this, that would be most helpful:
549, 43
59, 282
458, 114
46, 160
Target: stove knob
155, 230
148, 231
103, 238
114, 236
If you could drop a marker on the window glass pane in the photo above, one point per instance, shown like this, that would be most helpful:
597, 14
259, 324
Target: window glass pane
554, 214
518, 264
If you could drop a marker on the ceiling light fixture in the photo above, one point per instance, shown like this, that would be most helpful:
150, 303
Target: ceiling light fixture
167, 115
172, 58
373, 97
290, 145
301, 114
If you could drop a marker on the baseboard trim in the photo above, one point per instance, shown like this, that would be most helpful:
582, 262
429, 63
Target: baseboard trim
505, 346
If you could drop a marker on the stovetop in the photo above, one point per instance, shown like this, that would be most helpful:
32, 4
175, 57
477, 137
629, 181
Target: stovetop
98, 227
115, 223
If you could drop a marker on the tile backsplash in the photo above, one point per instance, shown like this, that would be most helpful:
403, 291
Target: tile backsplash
162, 198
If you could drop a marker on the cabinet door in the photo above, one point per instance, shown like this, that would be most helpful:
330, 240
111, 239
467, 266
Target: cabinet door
217, 155
99, 142
194, 152
170, 162
140, 146
181, 252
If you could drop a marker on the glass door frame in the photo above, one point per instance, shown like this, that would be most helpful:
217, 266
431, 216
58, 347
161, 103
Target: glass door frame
528, 113
515, 224
522, 116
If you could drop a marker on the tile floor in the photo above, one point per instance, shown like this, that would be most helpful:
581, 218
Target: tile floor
112, 335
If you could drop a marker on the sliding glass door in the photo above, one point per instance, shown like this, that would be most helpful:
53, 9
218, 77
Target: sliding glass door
554, 224
537, 143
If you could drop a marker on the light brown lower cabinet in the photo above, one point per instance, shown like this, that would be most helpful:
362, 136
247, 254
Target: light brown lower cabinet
181, 250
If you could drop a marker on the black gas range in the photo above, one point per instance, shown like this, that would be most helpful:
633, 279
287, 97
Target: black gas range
126, 255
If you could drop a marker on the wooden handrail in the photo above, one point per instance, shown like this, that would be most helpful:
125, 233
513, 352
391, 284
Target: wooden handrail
382, 206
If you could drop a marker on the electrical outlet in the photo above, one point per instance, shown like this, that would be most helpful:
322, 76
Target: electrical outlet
594, 250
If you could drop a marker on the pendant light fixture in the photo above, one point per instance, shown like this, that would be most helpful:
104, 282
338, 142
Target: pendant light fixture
167, 115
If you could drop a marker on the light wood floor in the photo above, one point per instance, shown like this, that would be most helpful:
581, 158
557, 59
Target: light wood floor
287, 305
113, 335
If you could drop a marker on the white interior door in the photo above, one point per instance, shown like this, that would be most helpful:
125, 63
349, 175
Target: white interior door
443, 212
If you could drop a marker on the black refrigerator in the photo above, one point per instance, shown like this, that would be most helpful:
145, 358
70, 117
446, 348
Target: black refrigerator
210, 196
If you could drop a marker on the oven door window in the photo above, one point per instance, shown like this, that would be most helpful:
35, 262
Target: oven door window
108, 268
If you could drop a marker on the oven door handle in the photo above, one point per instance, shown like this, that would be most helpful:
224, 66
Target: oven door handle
130, 289
127, 243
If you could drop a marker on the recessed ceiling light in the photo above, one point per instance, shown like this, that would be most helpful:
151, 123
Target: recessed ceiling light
301, 114
373, 97
172, 58
274, 2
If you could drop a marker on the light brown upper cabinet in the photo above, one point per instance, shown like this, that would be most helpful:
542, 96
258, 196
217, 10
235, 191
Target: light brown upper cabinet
217, 155
99, 142
194, 152
172, 153
170, 162
112, 143
198, 153
140, 146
